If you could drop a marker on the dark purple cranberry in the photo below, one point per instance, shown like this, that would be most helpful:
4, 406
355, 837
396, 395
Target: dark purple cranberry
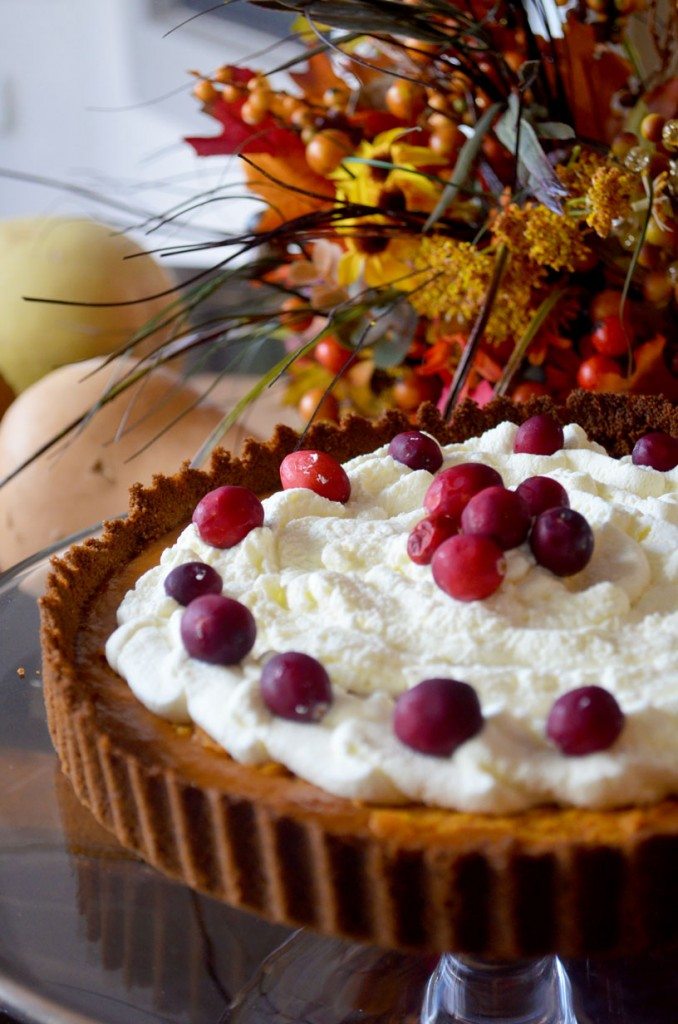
562, 541
452, 489
218, 629
584, 721
540, 435
416, 450
437, 715
428, 535
296, 686
190, 580
542, 492
226, 515
658, 450
497, 513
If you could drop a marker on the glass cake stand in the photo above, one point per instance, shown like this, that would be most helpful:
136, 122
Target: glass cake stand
91, 935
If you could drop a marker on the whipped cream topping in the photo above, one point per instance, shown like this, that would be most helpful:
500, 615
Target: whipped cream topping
335, 582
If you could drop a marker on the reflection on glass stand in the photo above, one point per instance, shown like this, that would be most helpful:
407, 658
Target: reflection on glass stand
312, 980
463, 990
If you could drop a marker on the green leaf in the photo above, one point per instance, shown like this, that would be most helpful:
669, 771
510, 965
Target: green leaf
518, 354
465, 160
535, 173
390, 337
554, 130
265, 381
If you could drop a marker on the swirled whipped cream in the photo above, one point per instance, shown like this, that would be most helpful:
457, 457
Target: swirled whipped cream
335, 582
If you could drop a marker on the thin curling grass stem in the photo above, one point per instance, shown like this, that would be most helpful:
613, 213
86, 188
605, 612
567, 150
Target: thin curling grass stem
476, 334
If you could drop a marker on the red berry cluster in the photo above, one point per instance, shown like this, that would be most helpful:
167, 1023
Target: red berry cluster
473, 519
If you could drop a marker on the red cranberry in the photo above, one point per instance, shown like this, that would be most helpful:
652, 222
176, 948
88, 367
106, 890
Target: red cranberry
416, 450
190, 580
468, 567
226, 515
428, 535
658, 450
316, 471
584, 721
611, 337
218, 629
452, 489
542, 492
562, 541
540, 435
497, 513
296, 686
437, 715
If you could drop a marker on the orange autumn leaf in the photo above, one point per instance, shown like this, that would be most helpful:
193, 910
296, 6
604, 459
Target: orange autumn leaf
591, 74
289, 187
652, 375
317, 78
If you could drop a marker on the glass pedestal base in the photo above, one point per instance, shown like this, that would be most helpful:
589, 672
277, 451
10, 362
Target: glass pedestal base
312, 980
463, 990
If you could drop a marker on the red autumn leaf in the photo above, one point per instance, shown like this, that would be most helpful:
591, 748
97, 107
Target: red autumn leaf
373, 122
237, 137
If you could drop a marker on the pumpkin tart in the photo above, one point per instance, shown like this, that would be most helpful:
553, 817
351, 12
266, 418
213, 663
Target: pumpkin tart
548, 879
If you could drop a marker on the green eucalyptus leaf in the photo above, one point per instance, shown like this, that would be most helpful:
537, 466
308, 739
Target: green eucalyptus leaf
390, 337
535, 173
554, 130
464, 165
518, 354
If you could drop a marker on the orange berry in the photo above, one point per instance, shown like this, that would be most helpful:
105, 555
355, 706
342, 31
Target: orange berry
650, 257
596, 373
622, 144
419, 51
405, 100
438, 101
326, 150
328, 409
664, 237
608, 303
252, 111
296, 313
446, 142
528, 389
205, 91
337, 97
658, 288
411, 391
230, 93
652, 126
302, 116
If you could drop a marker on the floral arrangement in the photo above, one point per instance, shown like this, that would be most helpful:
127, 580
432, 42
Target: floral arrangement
461, 200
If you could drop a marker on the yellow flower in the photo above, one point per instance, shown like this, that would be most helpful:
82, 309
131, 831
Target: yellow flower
541, 236
377, 260
374, 254
608, 198
577, 173
454, 278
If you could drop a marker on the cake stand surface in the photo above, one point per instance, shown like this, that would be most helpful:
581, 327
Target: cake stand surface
91, 935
